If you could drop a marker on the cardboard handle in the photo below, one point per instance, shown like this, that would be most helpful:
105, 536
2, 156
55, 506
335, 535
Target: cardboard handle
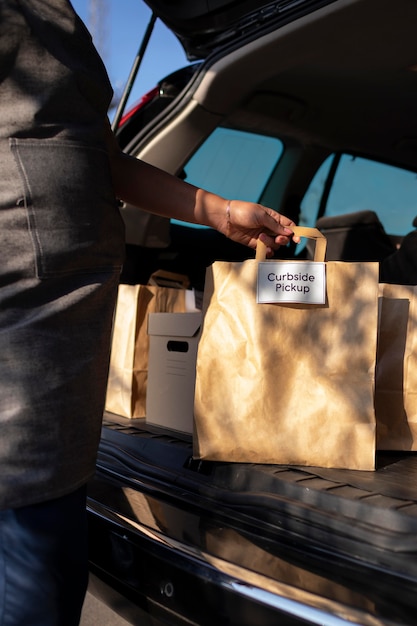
300, 231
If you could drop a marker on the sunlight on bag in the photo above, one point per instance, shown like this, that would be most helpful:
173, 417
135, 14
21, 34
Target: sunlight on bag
288, 383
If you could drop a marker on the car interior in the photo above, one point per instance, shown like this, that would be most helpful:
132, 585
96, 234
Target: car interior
326, 85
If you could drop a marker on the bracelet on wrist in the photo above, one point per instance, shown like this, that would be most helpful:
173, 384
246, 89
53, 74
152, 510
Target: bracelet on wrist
228, 222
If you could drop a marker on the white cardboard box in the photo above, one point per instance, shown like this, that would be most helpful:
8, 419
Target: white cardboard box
173, 343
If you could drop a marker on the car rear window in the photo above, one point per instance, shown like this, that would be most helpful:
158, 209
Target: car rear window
360, 184
234, 164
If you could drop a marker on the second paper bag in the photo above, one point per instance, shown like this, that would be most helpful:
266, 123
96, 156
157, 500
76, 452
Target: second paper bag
396, 368
128, 372
288, 384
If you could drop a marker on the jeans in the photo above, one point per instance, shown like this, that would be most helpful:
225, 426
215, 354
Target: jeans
44, 562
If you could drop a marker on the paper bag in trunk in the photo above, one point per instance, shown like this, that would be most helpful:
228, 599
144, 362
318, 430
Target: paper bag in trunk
288, 383
396, 369
128, 373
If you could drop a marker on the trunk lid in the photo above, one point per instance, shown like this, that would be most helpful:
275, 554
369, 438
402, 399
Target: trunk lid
202, 26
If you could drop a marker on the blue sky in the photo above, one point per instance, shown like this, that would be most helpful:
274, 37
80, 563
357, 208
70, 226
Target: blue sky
123, 23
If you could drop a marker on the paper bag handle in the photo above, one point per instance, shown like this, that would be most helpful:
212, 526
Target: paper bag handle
300, 231
162, 278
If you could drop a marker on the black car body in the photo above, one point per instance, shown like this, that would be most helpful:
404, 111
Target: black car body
331, 87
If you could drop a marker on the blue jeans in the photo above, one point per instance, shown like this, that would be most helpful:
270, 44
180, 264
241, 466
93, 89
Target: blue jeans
44, 562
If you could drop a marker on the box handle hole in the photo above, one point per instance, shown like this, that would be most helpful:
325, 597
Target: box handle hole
177, 346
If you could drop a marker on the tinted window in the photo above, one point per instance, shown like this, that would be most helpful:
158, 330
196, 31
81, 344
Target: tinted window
234, 164
361, 184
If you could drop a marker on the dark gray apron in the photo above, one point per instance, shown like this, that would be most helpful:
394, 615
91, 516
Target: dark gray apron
62, 247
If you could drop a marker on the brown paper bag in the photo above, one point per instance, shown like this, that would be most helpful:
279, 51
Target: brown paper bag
128, 373
396, 369
288, 384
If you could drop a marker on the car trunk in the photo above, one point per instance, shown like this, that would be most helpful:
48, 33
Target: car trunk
334, 541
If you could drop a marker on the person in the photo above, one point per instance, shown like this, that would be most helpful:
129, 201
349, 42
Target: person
62, 174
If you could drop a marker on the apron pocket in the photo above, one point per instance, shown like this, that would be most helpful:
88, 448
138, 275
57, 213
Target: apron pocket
73, 218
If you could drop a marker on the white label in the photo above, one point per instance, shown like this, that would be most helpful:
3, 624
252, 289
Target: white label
286, 281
